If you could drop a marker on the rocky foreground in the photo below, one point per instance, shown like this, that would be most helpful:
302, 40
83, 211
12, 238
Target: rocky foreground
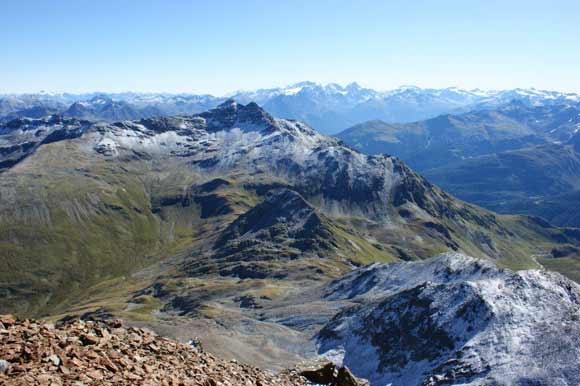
105, 353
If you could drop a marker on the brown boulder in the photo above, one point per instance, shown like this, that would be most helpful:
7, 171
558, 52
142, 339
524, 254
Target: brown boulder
325, 375
7, 320
345, 378
331, 376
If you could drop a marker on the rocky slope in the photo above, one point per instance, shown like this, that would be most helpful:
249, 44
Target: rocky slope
455, 320
105, 353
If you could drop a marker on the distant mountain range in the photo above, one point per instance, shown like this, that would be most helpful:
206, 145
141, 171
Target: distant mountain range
450, 138
330, 108
515, 158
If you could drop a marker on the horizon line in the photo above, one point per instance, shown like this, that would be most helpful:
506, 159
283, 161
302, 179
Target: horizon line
239, 91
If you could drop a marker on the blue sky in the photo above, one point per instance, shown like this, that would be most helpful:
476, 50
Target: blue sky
221, 46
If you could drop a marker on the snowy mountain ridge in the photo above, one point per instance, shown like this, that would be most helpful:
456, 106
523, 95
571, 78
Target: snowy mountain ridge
327, 107
234, 136
455, 320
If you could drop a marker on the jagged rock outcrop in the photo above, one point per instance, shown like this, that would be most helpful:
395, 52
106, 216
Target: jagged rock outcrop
455, 320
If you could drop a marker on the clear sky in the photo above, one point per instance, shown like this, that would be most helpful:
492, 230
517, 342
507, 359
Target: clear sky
217, 46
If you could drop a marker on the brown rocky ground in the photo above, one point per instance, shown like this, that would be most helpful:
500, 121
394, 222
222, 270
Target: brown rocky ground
104, 353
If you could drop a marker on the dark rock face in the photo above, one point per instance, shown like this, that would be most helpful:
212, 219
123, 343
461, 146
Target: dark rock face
339, 182
61, 135
213, 185
213, 205
324, 376
247, 301
284, 206
399, 326
230, 113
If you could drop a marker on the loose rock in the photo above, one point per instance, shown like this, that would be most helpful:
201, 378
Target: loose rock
102, 353
3, 366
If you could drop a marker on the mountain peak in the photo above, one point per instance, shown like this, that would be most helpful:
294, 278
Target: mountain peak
230, 114
227, 105
101, 98
305, 83
353, 86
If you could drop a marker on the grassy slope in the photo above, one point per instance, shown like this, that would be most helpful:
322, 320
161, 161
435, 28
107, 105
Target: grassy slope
74, 225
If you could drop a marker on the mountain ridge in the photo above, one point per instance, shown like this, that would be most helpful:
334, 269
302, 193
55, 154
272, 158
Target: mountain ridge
476, 317
451, 138
329, 107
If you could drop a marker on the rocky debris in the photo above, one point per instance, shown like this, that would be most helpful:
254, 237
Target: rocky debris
104, 353
329, 374
7, 320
